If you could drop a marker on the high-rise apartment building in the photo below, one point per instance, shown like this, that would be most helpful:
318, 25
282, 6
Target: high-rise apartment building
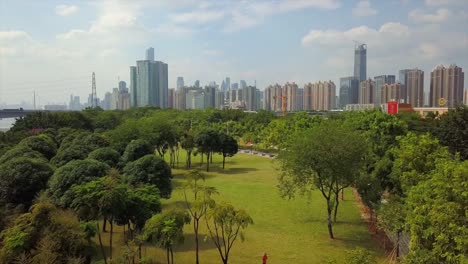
366, 92
307, 97
243, 84
150, 54
379, 82
227, 84
180, 98
413, 81
360, 62
133, 86
391, 92
180, 82
323, 96
446, 89
250, 94
171, 98
466, 97
349, 91
272, 99
149, 83
300, 99
290, 91
234, 86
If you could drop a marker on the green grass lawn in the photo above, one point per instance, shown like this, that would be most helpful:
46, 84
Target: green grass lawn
290, 231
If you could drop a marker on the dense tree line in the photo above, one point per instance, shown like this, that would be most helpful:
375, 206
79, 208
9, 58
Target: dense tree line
75, 175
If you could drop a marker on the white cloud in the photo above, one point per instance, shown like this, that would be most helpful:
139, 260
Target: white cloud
245, 14
240, 21
444, 2
419, 16
212, 52
429, 50
387, 31
66, 10
174, 30
12, 35
198, 16
363, 9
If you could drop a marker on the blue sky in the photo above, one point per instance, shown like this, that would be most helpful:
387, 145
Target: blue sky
52, 47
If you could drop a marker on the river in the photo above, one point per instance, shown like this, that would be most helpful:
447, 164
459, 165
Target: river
6, 123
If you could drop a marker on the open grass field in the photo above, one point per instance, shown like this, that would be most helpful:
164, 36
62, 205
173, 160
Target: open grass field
290, 231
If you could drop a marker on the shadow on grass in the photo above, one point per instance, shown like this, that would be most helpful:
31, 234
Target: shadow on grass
175, 204
189, 244
237, 170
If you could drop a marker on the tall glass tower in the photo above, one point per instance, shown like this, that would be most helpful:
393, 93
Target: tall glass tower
360, 62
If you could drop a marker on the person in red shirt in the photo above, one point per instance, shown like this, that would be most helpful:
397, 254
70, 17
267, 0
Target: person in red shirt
265, 257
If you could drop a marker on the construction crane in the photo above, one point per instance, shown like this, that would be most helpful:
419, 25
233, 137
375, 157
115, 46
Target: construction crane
284, 103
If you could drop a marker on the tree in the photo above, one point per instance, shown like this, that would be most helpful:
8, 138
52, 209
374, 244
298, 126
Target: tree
136, 149
327, 157
452, 130
150, 170
45, 233
188, 144
415, 158
74, 173
437, 213
99, 198
77, 146
199, 203
166, 230
392, 216
42, 144
207, 142
107, 155
21, 179
228, 146
225, 224
21, 151
360, 256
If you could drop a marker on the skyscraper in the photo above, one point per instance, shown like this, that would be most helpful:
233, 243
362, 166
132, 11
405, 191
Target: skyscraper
133, 86
391, 92
307, 97
150, 54
273, 98
349, 91
366, 92
250, 98
149, 83
465, 100
180, 82
243, 84
290, 90
379, 82
300, 99
360, 62
227, 84
446, 86
322, 96
413, 90
197, 84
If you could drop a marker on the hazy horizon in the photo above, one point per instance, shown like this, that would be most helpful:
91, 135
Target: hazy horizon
53, 47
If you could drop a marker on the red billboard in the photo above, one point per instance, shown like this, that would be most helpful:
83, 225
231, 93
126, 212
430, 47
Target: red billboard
392, 108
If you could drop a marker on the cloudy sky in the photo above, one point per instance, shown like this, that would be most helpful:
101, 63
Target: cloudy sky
52, 47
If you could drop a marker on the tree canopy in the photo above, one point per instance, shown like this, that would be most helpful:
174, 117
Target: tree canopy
21, 179
150, 169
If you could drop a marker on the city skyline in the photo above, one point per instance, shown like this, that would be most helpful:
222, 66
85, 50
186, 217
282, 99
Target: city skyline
59, 53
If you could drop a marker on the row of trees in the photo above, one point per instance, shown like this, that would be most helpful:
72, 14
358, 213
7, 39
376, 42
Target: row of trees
410, 180
110, 176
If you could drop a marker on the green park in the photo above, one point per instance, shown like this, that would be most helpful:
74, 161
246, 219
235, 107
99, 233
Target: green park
224, 186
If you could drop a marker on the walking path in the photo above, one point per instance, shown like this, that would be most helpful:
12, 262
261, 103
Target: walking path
257, 153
